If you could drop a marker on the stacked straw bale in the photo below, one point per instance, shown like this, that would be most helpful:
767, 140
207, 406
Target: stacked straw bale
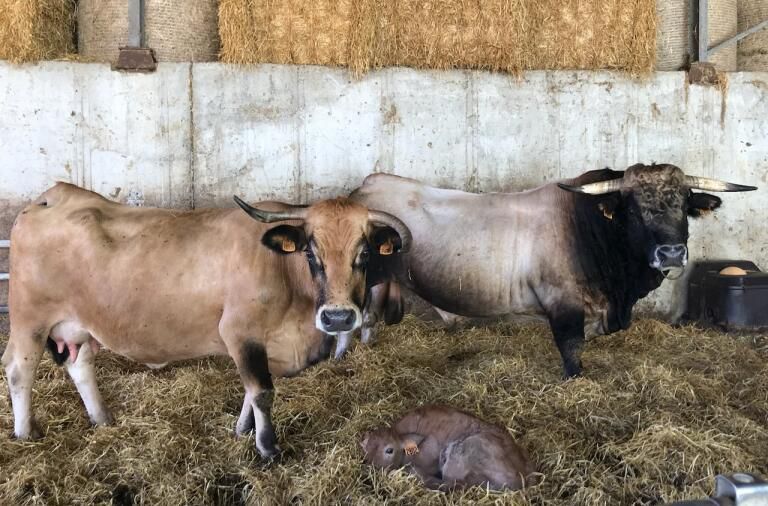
753, 50
32, 30
672, 29
509, 35
722, 26
178, 30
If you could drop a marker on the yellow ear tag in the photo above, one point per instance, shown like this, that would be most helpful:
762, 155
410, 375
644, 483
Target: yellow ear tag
387, 248
289, 246
411, 448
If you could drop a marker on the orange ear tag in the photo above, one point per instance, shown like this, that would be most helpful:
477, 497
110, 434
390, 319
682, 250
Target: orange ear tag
289, 246
386, 249
411, 448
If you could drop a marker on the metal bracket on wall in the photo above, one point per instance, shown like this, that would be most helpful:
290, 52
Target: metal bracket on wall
135, 57
4, 276
702, 31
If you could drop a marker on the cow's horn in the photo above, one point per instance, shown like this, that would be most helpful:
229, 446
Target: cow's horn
612, 185
715, 185
386, 219
293, 213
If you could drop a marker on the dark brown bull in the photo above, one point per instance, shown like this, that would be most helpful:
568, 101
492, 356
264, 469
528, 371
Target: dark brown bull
580, 252
158, 285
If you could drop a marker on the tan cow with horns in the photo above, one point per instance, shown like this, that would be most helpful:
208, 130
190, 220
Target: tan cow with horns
158, 285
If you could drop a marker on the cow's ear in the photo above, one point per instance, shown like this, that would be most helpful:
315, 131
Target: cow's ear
700, 204
285, 239
385, 240
411, 443
608, 204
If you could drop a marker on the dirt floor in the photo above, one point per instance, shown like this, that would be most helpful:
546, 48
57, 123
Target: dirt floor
660, 411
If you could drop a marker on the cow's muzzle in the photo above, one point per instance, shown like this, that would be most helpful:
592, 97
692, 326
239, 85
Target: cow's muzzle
668, 256
333, 318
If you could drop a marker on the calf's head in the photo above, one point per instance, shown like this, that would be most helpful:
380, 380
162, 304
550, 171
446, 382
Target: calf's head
338, 237
386, 449
654, 203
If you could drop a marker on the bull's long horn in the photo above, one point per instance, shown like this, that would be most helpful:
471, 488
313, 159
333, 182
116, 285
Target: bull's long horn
386, 219
612, 185
294, 213
715, 185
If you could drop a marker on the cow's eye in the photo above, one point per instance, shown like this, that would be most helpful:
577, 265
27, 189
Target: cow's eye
389, 450
363, 257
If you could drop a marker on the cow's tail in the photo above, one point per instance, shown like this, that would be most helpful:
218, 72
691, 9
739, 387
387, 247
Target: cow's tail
58, 356
394, 305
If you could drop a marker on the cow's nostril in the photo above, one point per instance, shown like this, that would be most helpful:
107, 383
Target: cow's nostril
350, 318
324, 318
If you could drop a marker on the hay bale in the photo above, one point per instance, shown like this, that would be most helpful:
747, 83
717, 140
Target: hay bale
32, 30
509, 35
183, 30
102, 29
753, 50
177, 30
290, 31
672, 31
723, 23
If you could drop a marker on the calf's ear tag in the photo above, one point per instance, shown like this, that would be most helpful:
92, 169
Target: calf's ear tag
288, 246
411, 448
386, 248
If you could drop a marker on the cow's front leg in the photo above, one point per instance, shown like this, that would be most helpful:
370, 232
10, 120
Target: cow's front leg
256, 414
568, 330
343, 340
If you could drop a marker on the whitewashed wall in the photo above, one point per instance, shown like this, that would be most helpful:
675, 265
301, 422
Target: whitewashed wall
193, 135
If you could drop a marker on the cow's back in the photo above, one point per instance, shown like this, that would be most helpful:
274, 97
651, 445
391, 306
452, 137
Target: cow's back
147, 283
474, 254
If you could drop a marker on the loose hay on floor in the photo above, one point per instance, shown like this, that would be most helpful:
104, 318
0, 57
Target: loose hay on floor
660, 411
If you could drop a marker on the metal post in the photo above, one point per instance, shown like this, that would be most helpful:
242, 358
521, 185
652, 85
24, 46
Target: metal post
136, 56
135, 23
703, 31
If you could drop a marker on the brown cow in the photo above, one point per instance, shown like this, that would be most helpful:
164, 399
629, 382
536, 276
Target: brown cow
158, 285
448, 448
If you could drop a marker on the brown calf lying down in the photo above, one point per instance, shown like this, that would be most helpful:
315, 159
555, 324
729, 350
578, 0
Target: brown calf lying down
448, 448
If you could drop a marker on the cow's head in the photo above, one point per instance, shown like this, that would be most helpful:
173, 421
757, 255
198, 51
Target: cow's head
654, 203
338, 238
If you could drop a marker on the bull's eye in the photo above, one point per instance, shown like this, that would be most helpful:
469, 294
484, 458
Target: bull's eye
389, 450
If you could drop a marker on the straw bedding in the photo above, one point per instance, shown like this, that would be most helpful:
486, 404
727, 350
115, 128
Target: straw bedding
507, 35
660, 411
32, 30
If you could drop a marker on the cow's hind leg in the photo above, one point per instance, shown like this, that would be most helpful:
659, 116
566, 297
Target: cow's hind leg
256, 414
21, 358
568, 330
83, 374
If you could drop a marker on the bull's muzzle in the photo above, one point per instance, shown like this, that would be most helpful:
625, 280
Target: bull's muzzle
668, 256
333, 319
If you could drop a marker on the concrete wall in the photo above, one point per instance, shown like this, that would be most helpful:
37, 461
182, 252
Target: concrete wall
192, 135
